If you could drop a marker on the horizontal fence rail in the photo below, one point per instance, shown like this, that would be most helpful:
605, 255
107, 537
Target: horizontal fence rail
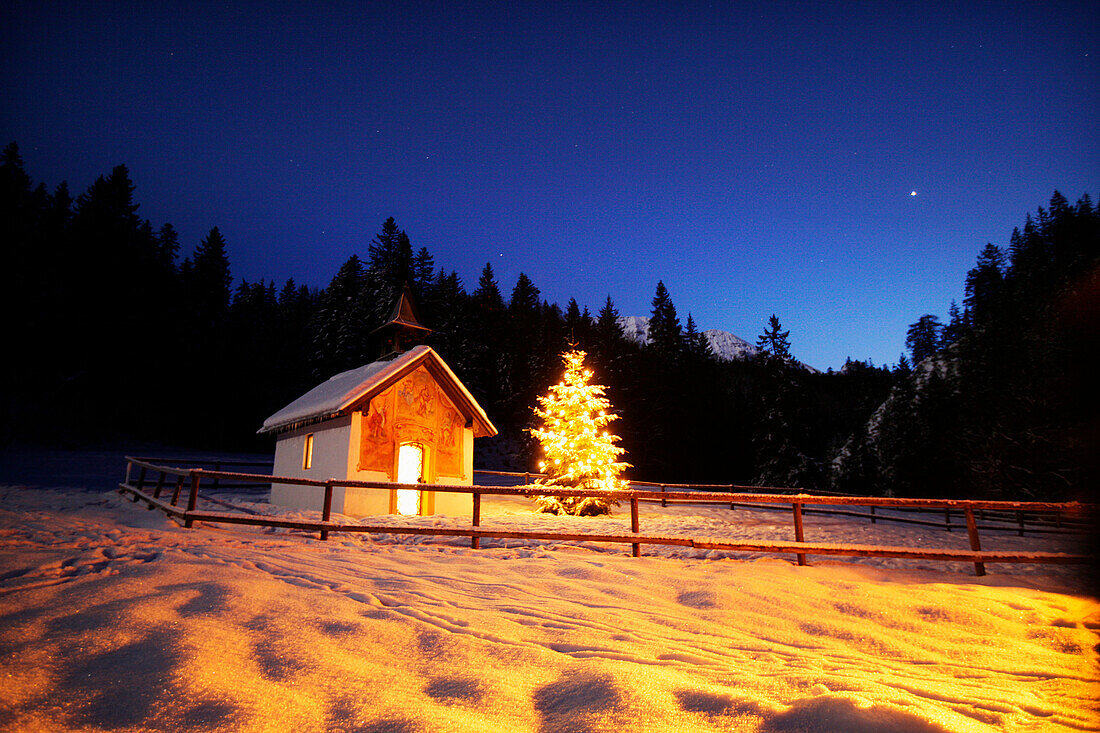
1021, 522
178, 480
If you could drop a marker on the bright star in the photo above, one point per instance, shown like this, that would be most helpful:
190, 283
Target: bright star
912, 193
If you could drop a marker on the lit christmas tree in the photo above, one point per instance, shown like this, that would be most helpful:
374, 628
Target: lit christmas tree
579, 452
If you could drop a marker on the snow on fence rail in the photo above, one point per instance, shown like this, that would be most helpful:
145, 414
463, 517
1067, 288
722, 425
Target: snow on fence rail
192, 478
1047, 522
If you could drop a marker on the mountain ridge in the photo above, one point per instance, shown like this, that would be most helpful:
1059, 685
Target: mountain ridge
724, 345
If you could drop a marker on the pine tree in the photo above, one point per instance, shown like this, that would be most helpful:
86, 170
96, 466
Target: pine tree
451, 332
487, 300
523, 308
577, 324
780, 459
608, 329
30, 301
211, 280
339, 324
609, 346
108, 265
955, 327
389, 267
775, 343
423, 282
923, 337
579, 453
525, 359
696, 345
168, 247
488, 372
384, 253
664, 325
983, 286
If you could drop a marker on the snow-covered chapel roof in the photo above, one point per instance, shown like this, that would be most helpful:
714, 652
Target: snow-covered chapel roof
341, 393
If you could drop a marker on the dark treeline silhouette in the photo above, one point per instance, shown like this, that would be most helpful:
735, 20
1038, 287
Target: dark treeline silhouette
115, 338
1001, 401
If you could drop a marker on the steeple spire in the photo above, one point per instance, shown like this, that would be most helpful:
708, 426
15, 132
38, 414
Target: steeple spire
403, 329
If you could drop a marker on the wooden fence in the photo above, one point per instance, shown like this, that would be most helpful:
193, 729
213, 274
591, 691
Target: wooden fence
1018, 522
174, 480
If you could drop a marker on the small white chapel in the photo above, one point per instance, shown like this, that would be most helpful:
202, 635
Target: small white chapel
405, 418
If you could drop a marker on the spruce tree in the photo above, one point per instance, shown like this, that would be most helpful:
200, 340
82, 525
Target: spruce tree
340, 323
523, 307
489, 372
696, 345
525, 359
168, 247
210, 280
577, 324
774, 344
486, 298
664, 326
578, 451
923, 337
780, 459
955, 327
983, 286
423, 283
389, 267
608, 334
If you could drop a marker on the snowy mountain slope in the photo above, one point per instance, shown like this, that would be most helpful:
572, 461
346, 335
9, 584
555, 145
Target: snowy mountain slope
635, 328
725, 345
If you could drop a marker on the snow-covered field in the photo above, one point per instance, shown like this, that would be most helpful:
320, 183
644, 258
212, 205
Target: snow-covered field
113, 617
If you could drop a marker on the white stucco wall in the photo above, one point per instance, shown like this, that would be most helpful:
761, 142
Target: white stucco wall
330, 457
336, 456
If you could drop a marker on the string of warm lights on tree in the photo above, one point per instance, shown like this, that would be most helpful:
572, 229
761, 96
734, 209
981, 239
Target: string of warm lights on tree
578, 449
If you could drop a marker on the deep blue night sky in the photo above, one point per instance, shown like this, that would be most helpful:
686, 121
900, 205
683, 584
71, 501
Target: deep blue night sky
757, 158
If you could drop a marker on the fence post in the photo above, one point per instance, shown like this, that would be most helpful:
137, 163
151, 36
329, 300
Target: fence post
975, 543
179, 486
217, 467
193, 499
1020, 517
947, 518
141, 483
798, 530
664, 501
129, 465
873, 520
326, 510
475, 542
636, 547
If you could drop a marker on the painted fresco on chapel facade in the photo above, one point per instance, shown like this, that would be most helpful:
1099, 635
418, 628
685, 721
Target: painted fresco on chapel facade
415, 410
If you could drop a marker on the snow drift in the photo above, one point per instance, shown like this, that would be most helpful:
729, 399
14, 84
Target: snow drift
113, 617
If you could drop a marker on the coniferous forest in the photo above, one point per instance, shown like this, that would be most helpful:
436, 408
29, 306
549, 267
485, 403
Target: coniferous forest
116, 335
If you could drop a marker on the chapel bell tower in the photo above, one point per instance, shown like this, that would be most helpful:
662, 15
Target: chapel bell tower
403, 330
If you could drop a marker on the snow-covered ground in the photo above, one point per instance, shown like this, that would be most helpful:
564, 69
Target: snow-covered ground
113, 617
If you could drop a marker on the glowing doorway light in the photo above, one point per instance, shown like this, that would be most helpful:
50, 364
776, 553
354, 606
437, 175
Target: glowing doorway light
410, 470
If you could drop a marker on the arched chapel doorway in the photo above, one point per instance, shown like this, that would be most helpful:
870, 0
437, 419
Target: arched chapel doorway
410, 470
